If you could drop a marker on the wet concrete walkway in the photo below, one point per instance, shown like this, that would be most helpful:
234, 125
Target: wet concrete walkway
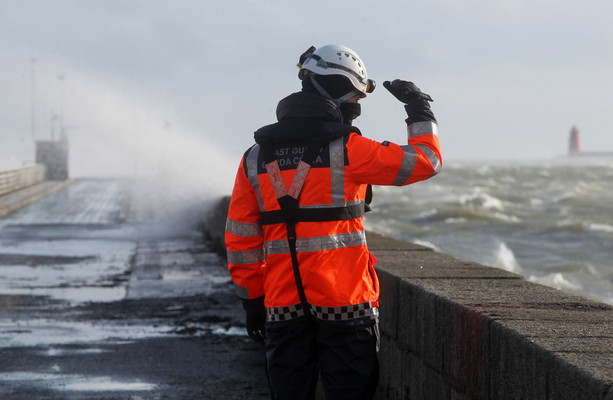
103, 297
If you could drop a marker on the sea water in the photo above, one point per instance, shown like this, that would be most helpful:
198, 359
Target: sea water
548, 220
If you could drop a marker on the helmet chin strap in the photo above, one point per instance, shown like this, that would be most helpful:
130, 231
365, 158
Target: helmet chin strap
325, 93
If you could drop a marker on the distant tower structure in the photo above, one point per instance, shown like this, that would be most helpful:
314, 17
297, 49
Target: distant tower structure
54, 155
574, 144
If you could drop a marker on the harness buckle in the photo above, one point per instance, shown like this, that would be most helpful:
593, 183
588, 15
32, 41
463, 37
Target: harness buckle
291, 231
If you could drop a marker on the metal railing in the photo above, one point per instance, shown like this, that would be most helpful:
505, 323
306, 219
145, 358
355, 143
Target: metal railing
19, 178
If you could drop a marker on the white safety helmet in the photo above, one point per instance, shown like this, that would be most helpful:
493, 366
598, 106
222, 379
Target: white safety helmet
335, 59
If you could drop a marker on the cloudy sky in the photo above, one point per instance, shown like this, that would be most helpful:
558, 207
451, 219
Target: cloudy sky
143, 83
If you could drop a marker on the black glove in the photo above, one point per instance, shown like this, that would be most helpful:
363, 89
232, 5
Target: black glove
417, 103
256, 318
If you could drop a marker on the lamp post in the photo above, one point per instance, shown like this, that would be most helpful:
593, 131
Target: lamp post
33, 99
61, 77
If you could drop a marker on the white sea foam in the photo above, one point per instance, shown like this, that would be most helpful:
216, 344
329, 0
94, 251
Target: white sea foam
425, 243
557, 280
505, 259
455, 220
506, 218
482, 200
535, 202
427, 213
600, 228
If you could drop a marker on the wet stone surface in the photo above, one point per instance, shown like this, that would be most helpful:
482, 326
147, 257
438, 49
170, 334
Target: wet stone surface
99, 302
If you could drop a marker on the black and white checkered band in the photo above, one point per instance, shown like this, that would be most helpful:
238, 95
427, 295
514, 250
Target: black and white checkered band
342, 313
284, 313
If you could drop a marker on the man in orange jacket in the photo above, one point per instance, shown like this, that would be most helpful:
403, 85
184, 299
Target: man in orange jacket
296, 243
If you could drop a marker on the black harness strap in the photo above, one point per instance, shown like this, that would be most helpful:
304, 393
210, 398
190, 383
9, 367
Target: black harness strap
287, 213
315, 214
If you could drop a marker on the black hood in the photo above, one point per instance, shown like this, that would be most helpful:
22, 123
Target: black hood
303, 118
303, 105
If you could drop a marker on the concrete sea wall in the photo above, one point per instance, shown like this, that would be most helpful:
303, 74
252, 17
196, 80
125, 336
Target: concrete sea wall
456, 330
459, 330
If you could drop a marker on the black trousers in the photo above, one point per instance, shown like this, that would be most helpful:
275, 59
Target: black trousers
345, 353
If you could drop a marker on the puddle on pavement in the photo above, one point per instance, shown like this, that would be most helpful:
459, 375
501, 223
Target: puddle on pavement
64, 231
80, 383
72, 270
231, 331
49, 333
44, 332
74, 295
204, 329
54, 352
75, 247
92, 272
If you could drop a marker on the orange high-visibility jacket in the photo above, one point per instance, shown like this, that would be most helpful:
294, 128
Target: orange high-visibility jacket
335, 266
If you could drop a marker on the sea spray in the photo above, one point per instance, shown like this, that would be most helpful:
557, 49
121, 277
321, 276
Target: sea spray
117, 129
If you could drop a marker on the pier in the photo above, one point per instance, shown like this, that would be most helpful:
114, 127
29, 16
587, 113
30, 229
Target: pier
101, 299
